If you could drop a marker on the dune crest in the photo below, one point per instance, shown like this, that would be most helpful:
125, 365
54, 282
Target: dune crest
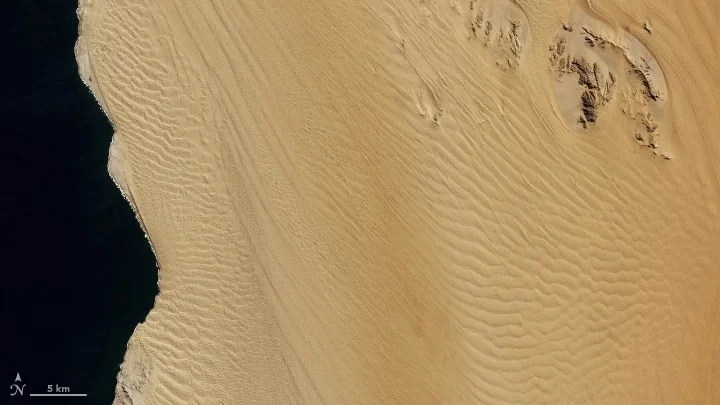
426, 202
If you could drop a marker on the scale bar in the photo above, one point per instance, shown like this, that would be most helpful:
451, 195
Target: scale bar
58, 395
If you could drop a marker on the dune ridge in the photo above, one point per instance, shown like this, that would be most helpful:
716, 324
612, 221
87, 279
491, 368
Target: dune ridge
394, 202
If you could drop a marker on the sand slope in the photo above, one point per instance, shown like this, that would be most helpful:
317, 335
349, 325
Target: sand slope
380, 202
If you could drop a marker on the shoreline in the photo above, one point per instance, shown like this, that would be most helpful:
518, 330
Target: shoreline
115, 171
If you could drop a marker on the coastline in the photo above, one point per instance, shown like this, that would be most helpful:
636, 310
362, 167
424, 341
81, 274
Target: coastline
118, 173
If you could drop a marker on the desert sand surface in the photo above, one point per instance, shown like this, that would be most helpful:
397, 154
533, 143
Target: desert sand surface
418, 202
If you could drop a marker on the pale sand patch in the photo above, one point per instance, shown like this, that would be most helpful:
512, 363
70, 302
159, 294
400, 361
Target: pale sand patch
360, 202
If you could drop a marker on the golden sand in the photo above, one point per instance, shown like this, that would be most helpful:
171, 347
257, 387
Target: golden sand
418, 202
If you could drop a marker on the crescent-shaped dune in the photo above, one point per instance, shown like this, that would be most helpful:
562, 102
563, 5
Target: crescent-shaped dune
418, 202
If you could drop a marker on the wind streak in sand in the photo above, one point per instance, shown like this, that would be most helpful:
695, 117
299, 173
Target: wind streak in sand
365, 203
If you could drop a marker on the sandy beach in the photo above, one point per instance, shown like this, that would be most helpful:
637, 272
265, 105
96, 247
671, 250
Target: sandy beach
418, 202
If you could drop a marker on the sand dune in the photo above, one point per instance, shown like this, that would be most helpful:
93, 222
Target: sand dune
421, 202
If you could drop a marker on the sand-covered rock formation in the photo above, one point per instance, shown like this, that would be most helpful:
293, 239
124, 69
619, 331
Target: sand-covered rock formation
418, 202
600, 63
502, 27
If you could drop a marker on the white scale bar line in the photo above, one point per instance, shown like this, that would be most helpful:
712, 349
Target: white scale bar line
58, 395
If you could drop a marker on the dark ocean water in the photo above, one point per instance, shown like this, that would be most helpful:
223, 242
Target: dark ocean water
78, 274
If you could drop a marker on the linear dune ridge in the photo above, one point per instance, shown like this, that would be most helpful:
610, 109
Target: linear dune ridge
418, 202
